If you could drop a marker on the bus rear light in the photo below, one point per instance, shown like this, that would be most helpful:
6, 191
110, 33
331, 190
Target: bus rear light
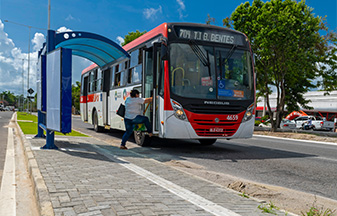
162, 122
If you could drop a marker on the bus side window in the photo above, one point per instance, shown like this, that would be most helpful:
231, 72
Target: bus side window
137, 74
117, 79
130, 75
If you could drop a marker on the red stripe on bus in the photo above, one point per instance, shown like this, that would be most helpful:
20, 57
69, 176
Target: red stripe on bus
167, 101
83, 99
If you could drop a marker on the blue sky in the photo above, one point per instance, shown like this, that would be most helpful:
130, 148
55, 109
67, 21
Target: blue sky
112, 19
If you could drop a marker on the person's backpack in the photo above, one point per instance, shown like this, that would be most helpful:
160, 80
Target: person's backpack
121, 111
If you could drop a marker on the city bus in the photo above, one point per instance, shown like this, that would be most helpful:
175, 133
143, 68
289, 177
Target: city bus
201, 78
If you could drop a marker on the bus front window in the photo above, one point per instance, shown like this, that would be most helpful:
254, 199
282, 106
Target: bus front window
207, 72
191, 75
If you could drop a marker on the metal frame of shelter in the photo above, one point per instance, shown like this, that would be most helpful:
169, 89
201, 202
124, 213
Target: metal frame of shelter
98, 49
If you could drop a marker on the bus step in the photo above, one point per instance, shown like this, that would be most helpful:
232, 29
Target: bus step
107, 127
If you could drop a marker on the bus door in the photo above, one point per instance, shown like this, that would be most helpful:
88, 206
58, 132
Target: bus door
85, 95
151, 74
106, 101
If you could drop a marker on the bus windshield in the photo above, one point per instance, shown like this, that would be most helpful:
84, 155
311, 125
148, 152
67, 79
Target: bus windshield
207, 72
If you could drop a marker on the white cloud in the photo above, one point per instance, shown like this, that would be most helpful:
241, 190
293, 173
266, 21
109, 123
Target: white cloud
181, 9
151, 13
63, 29
69, 17
38, 41
14, 62
120, 40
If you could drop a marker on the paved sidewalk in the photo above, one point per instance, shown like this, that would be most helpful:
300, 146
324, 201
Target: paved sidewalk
89, 177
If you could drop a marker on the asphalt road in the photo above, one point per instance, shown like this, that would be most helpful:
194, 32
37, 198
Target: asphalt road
4, 121
304, 166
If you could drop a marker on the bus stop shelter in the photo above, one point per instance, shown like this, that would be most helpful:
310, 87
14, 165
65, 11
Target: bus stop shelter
96, 48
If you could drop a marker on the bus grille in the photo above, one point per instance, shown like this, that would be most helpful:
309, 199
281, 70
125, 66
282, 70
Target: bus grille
214, 125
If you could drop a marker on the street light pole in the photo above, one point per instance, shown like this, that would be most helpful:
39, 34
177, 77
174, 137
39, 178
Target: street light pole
28, 68
23, 87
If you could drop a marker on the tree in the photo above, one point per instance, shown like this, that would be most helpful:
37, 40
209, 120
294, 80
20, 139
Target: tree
132, 36
210, 20
76, 94
290, 52
9, 97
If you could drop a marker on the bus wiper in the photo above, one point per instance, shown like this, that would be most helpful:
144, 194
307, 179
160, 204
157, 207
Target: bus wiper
230, 53
200, 54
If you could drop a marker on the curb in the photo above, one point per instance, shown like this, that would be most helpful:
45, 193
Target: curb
39, 186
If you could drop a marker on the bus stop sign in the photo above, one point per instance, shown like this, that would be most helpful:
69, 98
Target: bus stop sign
30, 91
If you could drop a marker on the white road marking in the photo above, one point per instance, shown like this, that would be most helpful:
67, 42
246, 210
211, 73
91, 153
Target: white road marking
7, 193
187, 195
298, 140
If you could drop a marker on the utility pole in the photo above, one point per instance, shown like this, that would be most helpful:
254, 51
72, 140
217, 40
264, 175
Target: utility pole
23, 87
48, 14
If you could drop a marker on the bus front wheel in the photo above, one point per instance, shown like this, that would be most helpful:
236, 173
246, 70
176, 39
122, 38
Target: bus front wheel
142, 139
95, 122
207, 141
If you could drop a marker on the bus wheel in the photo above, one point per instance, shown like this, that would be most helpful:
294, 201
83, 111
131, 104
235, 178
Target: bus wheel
207, 142
95, 121
142, 139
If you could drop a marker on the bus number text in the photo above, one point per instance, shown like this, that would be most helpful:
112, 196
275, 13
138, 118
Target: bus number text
232, 117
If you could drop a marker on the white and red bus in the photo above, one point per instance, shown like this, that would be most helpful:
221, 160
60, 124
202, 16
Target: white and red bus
201, 78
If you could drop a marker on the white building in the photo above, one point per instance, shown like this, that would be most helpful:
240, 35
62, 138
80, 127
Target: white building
325, 106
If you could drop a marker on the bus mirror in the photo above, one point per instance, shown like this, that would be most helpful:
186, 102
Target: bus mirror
164, 52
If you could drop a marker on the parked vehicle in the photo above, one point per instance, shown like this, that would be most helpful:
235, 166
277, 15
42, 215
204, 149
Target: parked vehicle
265, 123
318, 123
287, 124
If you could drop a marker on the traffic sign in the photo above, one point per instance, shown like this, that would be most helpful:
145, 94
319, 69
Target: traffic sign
30, 97
30, 91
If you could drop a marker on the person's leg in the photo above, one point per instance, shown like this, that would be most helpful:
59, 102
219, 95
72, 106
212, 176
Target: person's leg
128, 131
143, 119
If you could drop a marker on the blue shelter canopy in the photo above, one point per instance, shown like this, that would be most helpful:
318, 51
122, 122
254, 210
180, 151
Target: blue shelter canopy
96, 48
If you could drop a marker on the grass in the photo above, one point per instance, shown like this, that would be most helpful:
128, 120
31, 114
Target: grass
244, 195
268, 208
316, 211
31, 127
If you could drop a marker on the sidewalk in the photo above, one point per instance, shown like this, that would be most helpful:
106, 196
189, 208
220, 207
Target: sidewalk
89, 177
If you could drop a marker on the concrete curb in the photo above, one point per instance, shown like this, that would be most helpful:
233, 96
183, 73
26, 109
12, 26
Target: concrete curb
39, 186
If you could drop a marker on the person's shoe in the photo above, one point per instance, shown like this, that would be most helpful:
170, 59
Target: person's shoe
123, 147
150, 134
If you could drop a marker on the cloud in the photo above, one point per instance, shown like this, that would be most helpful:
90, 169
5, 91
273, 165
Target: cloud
151, 13
120, 40
69, 17
181, 9
14, 63
38, 41
63, 29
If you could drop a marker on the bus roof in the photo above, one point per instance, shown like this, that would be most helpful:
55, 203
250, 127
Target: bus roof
161, 29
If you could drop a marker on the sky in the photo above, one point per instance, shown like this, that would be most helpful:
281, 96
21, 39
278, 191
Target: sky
109, 18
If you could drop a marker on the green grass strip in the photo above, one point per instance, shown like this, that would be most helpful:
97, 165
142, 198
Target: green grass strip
31, 127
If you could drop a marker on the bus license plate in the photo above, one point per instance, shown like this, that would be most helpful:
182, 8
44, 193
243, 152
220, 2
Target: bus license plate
216, 130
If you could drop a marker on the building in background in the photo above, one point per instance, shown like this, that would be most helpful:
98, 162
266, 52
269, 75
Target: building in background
323, 105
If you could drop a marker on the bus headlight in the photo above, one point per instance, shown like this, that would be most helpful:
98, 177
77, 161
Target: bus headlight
178, 111
249, 113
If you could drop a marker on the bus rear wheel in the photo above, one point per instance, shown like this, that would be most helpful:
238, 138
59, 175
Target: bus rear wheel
207, 142
95, 122
142, 139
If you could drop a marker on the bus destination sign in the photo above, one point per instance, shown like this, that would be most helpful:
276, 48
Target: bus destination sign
208, 35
